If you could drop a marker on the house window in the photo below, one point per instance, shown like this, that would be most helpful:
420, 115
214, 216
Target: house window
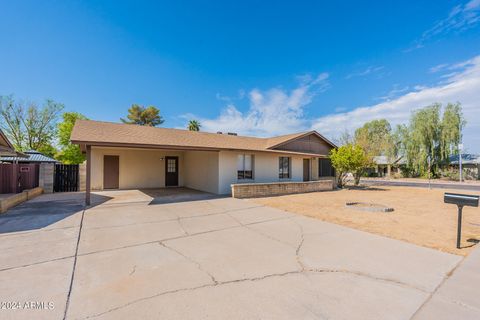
325, 168
284, 167
245, 166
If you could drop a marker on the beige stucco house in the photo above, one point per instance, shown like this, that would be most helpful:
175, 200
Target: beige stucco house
125, 156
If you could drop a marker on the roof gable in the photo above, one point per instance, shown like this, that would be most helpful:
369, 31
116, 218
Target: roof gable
309, 142
4, 142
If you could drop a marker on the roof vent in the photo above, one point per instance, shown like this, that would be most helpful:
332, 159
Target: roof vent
232, 133
219, 132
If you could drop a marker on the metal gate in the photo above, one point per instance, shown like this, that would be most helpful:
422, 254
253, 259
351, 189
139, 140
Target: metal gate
66, 178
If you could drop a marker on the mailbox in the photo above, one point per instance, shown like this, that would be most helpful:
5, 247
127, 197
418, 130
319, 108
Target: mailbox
460, 200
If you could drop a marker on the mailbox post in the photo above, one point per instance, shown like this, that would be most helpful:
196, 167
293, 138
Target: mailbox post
460, 200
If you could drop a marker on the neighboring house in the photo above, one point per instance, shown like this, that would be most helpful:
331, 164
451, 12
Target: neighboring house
383, 167
470, 164
6, 147
10, 175
31, 157
124, 156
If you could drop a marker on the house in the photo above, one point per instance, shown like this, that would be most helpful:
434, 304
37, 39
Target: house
6, 147
384, 167
30, 156
12, 180
125, 156
470, 165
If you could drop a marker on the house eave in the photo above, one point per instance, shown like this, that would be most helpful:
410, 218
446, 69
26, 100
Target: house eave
83, 145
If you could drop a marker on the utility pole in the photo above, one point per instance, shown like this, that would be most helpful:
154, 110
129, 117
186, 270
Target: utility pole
460, 147
429, 172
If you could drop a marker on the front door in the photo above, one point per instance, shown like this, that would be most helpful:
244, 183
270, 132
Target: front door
306, 169
110, 172
171, 171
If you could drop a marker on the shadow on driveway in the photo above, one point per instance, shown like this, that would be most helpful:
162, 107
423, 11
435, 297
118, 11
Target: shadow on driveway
44, 211
177, 195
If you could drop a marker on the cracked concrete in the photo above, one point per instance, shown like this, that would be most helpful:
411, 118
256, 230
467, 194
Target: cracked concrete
216, 259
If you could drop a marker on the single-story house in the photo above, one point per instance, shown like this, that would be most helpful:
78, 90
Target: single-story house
384, 167
30, 156
470, 164
126, 156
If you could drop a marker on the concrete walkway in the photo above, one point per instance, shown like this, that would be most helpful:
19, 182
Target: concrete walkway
457, 297
132, 256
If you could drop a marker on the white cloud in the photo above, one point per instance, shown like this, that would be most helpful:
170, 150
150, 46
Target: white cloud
460, 18
438, 68
277, 111
366, 72
394, 92
271, 112
462, 86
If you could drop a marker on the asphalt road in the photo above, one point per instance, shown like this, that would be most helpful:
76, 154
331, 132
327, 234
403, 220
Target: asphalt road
436, 185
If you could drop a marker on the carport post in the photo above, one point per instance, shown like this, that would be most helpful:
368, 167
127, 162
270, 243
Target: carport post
88, 179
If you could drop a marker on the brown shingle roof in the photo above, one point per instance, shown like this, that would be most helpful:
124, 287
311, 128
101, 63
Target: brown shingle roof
108, 133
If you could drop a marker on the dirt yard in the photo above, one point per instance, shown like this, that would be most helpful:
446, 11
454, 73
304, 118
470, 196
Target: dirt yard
420, 216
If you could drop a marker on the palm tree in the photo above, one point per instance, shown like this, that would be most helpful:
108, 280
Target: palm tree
194, 125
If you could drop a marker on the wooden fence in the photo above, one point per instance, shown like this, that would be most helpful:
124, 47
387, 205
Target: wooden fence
15, 178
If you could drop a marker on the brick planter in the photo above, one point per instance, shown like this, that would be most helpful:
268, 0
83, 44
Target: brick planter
253, 190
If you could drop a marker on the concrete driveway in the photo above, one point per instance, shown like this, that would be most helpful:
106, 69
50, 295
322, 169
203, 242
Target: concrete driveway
134, 255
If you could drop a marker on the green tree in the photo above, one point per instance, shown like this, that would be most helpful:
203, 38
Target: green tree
29, 126
346, 159
149, 116
194, 125
375, 137
430, 135
451, 126
69, 153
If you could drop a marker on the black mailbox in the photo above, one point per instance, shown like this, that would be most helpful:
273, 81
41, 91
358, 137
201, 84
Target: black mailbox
460, 200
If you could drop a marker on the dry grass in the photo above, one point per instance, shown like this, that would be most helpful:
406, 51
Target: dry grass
420, 216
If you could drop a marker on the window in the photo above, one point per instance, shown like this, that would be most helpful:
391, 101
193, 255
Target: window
172, 165
245, 166
325, 168
284, 167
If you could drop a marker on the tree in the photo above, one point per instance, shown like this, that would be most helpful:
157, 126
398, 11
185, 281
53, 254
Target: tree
375, 138
30, 126
149, 116
451, 126
345, 138
69, 153
430, 135
346, 159
194, 125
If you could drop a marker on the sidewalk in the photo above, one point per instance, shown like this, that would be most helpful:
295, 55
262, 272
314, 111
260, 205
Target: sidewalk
419, 180
457, 297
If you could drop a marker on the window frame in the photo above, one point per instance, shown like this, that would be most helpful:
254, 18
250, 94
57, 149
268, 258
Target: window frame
320, 171
242, 174
281, 166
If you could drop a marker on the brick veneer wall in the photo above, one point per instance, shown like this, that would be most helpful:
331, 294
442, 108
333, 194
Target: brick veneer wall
252, 190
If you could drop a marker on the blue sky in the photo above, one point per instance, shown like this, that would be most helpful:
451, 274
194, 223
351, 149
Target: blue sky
258, 68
